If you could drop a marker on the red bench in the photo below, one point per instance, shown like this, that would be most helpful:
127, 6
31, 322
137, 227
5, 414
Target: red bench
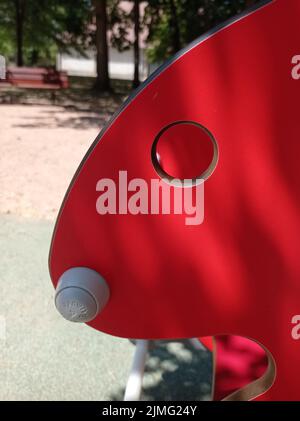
41, 78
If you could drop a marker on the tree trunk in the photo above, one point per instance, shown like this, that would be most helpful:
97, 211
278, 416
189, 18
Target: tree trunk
136, 18
102, 82
174, 23
20, 11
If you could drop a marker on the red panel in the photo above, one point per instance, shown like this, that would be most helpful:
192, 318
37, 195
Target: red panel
237, 273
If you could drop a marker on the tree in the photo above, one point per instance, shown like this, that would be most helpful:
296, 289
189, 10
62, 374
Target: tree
7, 28
102, 82
122, 22
176, 42
37, 30
136, 18
20, 13
33, 31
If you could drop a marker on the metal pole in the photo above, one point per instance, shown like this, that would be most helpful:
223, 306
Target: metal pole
135, 380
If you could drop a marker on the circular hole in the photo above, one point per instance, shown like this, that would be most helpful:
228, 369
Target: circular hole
183, 151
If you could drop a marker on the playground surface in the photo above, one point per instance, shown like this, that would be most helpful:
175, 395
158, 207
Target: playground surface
42, 356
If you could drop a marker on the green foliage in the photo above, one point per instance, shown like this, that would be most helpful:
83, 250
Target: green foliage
6, 29
120, 23
47, 26
175, 23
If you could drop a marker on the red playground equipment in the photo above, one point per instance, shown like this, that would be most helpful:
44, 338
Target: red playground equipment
223, 115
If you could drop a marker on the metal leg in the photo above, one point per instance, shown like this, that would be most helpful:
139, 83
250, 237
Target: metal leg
135, 380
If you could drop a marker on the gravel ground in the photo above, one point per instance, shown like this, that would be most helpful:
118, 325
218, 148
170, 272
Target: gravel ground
43, 357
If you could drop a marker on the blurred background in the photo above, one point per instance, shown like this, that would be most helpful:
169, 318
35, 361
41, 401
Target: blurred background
69, 65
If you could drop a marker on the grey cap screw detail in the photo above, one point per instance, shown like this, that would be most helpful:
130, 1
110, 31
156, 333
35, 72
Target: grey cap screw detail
81, 294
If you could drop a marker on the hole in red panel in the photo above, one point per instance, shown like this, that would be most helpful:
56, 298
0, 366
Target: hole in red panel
239, 362
185, 151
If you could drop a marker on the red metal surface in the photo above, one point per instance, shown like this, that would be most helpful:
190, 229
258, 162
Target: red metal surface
238, 273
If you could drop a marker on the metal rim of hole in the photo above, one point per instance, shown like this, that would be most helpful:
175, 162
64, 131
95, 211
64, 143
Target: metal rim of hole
181, 182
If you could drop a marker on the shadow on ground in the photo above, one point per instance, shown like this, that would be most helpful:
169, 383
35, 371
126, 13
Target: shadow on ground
79, 97
86, 108
56, 119
175, 371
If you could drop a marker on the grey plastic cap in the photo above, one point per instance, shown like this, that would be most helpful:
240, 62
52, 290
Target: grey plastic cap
81, 294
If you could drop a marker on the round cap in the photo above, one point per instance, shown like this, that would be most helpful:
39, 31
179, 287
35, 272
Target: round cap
81, 294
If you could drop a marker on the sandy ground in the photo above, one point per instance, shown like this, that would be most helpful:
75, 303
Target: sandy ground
41, 147
42, 356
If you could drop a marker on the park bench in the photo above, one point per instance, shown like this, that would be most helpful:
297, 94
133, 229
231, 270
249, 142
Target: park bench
40, 78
